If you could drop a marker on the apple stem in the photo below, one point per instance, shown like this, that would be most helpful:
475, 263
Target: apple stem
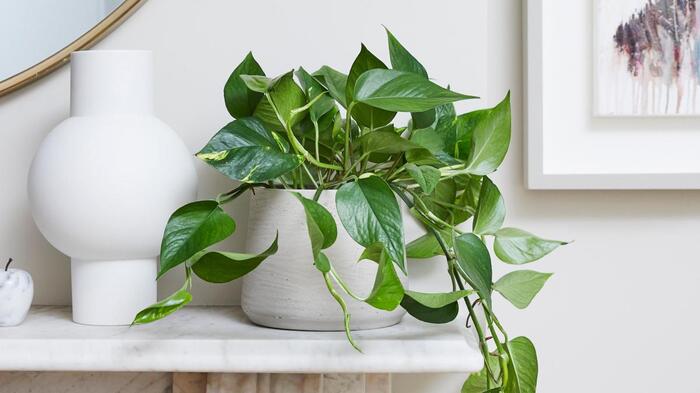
8, 264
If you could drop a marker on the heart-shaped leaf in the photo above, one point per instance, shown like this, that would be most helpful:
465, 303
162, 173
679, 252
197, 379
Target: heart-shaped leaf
433, 307
335, 82
191, 229
425, 176
424, 247
314, 88
491, 211
520, 287
241, 101
286, 96
366, 115
385, 142
369, 212
245, 150
321, 227
387, 291
403, 60
491, 137
166, 306
222, 267
474, 261
258, 83
400, 91
518, 247
523, 366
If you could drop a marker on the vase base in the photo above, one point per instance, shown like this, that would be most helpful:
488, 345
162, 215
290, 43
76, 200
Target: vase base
111, 293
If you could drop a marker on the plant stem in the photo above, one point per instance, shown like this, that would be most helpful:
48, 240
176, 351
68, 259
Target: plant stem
318, 156
8, 264
477, 325
449, 255
298, 147
343, 306
308, 172
348, 130
236, 192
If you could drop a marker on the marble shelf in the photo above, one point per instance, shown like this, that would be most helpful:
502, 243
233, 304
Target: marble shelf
222, 340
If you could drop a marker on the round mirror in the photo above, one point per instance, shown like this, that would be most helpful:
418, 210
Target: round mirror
39, 35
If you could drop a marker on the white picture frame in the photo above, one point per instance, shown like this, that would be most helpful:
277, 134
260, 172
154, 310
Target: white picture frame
668, 169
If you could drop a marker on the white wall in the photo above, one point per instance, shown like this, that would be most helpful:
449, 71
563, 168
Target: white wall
617, 316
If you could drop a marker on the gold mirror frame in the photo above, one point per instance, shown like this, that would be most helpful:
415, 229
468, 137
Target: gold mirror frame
85, 41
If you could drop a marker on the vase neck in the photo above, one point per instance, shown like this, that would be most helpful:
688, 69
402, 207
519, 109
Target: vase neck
111, 83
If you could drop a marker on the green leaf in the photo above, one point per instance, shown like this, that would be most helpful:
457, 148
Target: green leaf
245, 150
474, 261
322, 263
372, 253
286, 96
491, 137
387, 291
402, 59
364, 114
445, 192
222, 267
522, 367
191, 229
341, 302
314, 88
385, 142
469, 199
258, 83
166, 306
399, 91
491, 211
424, 247
309, 83
335, 82
518, 247
520, 287
240, 101
433, 307
425, 176
321, 227
476, 383
370, 214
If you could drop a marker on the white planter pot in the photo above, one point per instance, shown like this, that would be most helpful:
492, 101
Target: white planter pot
287, 291
104, 182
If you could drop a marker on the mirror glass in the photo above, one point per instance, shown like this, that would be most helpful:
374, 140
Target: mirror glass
33, 30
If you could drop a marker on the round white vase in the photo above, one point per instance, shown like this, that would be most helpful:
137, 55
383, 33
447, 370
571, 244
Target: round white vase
104, 182
287, 291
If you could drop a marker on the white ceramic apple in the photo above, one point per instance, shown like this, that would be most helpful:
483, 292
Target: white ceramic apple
16, 293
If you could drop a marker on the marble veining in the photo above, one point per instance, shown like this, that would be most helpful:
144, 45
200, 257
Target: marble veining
221, 339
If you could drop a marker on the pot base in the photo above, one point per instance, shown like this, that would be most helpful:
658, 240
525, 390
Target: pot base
285, 323
111, 293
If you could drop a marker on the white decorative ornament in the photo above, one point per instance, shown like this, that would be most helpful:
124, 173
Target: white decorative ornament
16, 293
287, 291
104, 182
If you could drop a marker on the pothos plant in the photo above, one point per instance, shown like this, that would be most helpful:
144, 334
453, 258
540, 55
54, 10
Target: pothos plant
330, 131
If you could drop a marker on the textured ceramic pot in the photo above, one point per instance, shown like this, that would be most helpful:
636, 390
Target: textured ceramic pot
287, 291
104, 182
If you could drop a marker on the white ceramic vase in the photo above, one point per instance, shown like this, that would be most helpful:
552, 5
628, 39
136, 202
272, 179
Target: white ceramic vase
104, 182
287, 291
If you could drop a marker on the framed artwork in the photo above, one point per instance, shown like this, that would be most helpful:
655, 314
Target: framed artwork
647, 57
612, 94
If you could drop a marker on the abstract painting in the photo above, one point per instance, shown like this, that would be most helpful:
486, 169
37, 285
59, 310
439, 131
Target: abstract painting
647, 58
